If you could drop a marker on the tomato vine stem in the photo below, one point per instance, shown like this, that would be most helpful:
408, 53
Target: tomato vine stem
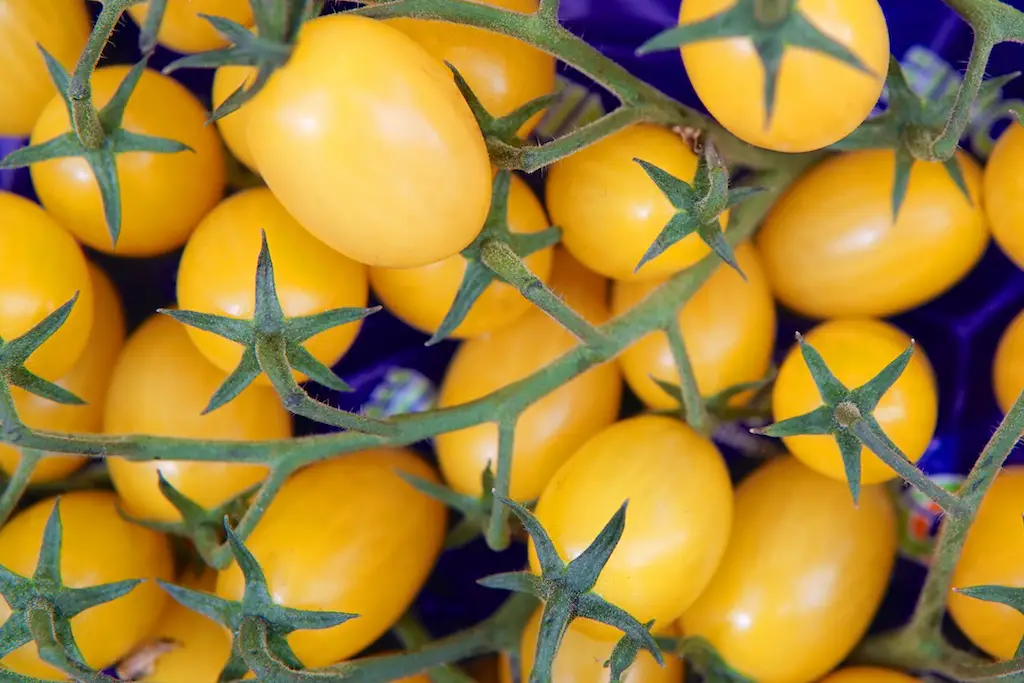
694, 410
497, 529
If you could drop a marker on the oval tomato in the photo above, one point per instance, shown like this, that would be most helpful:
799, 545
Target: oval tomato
1004, 192
855, 351
42, 268
610, 211
382, 160
728, 76
728, 329
163, 196
677, 525
551, 429
868, 674
350, 535
993, 556
1008, 366
160, 386
802, 577
183, 30
218, 272
98, 547
62, 27
831, 249
235, 126
422, 296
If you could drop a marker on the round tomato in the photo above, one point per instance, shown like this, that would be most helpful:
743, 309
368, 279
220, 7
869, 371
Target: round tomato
1008, 367
163, 196
868, 674
160, 386
831, 249
551, 429
183, 30
350, 535
60, 26
855, 351
234, 127
802, 577
218, 272
728, 329
1004, 192
382, 160
98, 547
611, 212
422, 296
42, 268
677, 524
728, 76
993, 556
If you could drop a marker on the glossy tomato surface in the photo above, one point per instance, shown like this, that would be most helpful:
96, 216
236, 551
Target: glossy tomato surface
802, 576
163, 196
831, 248
1004, 192
1008, 366
868, 674
183, 30
382, 160
234, 128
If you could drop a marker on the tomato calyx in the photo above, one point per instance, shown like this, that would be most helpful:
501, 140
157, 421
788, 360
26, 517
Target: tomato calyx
720, 407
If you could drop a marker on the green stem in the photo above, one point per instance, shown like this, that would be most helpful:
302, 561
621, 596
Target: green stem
414, 636
18, 482
497, 530
945, 144
42, 624
694, 410
155, 11
221, 557
548, 11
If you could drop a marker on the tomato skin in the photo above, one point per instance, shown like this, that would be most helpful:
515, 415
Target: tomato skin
98, 547
868, 674
160, 386
831, 250
400, 190
677, 525
728, 329
993, 555
62, 27
550, 430
1004, 192
183, 30
1008, 365
794, 528
218, 269
422, 296
234, 127
163, 196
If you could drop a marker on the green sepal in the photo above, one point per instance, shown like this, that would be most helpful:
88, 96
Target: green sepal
704, 658
623, 655
719, 405
155, 11
1004, 595
502, 130
15, 353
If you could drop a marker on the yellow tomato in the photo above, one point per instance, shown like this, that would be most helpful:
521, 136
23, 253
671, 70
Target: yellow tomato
218, 274
98, 547
183, 30
1004, 192
868, 674
382, 160
728, 76
728, 329
1008, 367
163, 196
234, 127
831, 249
422, 296
610, 211
160, 386
802, 577
993, 555
677, 524
550, 430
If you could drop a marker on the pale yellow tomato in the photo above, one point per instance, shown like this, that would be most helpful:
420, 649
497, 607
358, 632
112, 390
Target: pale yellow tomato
183, 30
1004, 192
1008, 366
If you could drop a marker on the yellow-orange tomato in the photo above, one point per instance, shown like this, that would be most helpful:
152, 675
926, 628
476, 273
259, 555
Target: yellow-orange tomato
382, 160
1004, 192
728, 76
183, 30
831, 249
371, 544
677, 524
163, 196
728, 329
160, 386
551, 429
1008, 366
218, 272
42, 268
234, 127
993, 556
802, 577
98, 547
422, 296
855, 351
610, 211
868, 674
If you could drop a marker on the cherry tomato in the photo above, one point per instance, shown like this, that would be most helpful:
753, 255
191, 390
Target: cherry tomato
163, 196
728, 329
802, 577
728, 76
42, 268
218, 272
610, 211
868, 674
60, 26
1004, 192
422, 296
183, 30
993, 556
234, 127
382, 160
550, 430
677, 525
160, 386
1008, 367
831, 249
98, 547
